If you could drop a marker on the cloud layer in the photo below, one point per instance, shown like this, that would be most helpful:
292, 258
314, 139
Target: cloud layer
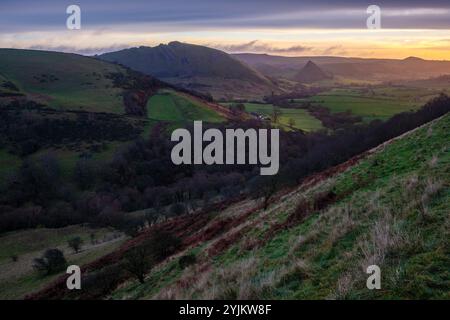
286, 27
26, 15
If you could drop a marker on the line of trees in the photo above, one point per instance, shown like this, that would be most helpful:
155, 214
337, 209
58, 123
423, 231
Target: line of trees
25, 128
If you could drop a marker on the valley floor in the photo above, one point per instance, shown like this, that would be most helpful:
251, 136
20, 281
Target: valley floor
18, 278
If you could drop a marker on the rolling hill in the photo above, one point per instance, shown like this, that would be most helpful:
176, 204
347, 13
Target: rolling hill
195, 67
71, 105
387, 206
349, 68
71, 82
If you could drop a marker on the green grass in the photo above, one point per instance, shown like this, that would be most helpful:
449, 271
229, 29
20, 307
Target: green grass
21, 242
302, 119
173, 107
17, 287
420, 245
75, 83
393, 211
18, 278
92, 99
380, 103
157, 280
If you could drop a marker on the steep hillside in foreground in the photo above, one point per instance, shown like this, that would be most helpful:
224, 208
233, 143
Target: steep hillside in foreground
389, 206
391, 209
194, 67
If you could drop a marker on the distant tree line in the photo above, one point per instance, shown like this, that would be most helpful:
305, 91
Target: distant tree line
334, 120
25, 128
285, 100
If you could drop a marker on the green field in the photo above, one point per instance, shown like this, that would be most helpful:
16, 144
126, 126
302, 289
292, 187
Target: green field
173, 107
63, 81
19, 278
302, 119
379, 103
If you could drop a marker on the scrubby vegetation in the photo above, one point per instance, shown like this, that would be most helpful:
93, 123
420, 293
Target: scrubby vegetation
52, 261
75, 243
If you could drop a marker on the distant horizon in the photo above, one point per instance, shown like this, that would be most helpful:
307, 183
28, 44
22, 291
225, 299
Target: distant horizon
282, 28
231, 53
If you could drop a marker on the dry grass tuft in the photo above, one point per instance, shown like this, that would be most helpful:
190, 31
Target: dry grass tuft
344, 286
433, 162
431, 189
383, 238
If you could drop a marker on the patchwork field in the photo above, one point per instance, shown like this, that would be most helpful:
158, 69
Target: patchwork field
77, 83
301, 118
168, 105
377, 103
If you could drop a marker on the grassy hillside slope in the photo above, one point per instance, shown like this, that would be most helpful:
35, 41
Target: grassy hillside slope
168, 105
389, 207
178, 59
63, 81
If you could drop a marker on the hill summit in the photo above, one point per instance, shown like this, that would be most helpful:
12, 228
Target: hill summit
312, 73
192, 66
412, 58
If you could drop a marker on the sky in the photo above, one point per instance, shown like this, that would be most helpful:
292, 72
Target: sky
281, 27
